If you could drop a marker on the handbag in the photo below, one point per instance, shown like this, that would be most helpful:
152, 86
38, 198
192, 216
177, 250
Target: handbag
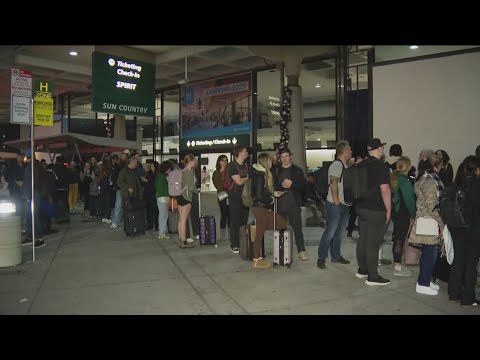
426, 225
411, 252
222, 195
447, 246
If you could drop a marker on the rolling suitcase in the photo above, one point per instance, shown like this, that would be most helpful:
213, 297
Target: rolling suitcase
207, 227
173, 217
282, 244
247, 240
134, 221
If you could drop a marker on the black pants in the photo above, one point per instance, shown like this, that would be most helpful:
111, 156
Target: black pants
463, 273
152, 213
224, 213
106, 200
401, 224
352, 219
372, 229
61, 202
293, 214
238, 215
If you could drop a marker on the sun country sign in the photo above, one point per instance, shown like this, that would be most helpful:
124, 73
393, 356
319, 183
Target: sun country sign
122, 86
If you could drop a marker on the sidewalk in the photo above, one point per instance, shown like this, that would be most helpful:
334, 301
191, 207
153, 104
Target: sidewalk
88, 268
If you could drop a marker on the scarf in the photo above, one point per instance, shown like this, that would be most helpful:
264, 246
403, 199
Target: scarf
438, 183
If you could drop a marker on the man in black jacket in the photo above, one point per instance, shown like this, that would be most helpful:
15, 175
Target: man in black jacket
290, 178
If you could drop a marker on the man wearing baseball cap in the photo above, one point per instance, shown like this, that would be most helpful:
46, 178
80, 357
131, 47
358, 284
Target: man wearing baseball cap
374, 212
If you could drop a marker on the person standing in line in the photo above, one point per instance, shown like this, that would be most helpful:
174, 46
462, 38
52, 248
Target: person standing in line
290, 179
237, 171
218, 179
337, 210
374, 213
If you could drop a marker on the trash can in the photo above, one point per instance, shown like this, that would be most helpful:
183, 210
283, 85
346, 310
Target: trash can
10, 240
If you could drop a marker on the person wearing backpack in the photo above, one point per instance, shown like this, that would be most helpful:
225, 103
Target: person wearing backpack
466, 240
235, 178
185, 199
262, 207
336, 208
374, 209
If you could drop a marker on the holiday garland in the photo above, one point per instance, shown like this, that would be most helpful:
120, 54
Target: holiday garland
286, 117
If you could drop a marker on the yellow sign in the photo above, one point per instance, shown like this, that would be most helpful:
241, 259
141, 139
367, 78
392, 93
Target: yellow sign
43, 108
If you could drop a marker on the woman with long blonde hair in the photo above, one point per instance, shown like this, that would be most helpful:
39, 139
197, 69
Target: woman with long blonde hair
262, 207
403, 207
185, 200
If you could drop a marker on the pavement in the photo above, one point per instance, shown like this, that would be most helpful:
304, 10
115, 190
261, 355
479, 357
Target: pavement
88, 268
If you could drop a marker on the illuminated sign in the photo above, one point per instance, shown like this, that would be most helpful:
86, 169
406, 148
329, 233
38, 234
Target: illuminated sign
21, 97
43, 103
122, 86
221, 142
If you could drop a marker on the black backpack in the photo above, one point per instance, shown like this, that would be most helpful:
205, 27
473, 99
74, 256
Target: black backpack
454, 208
321, 179
355, 183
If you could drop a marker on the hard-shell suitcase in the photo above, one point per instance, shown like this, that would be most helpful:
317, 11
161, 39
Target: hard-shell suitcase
247, 241
282, 244
134, 221
173, 217
207, 227
207, 231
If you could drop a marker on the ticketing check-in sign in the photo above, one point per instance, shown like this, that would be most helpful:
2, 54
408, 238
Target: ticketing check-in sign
43, 103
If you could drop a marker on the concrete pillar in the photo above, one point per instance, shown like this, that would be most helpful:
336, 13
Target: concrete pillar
119, 127
24, 132
296, 127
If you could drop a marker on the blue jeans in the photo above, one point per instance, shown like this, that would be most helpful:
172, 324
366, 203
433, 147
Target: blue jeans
118, 207
335, 231
162, 216
427, 264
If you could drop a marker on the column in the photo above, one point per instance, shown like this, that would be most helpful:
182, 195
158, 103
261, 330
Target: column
119, 127
296, 128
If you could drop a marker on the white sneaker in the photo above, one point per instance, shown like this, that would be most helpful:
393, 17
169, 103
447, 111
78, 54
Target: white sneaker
434, 286
113, 226
196, 237
402, 272
426, 290
190, 240
361, 276
104, 220
108, 221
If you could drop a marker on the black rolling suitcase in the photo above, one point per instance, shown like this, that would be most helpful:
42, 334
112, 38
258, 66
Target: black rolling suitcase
134, 220
247, 241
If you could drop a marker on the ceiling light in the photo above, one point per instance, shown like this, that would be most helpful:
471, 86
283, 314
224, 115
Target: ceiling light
318, 86
413, 47
73, 53
319, 140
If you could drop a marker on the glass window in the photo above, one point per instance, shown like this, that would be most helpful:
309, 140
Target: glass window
269, 93
318, 82
396, 52
171, 117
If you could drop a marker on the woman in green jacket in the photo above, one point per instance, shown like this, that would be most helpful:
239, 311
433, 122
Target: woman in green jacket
161, 193
403, 211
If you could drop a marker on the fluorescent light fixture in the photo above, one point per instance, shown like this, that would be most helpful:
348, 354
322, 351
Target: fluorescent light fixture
318, 86
318, 140
73, 53
413, 47
7, 208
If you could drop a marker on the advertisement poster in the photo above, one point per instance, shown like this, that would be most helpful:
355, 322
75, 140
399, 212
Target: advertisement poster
217, 109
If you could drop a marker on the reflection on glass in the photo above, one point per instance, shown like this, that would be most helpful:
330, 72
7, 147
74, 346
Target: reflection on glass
269, 93
171, 117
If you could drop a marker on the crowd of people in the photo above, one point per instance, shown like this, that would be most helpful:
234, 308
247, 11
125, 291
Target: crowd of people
395, 192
